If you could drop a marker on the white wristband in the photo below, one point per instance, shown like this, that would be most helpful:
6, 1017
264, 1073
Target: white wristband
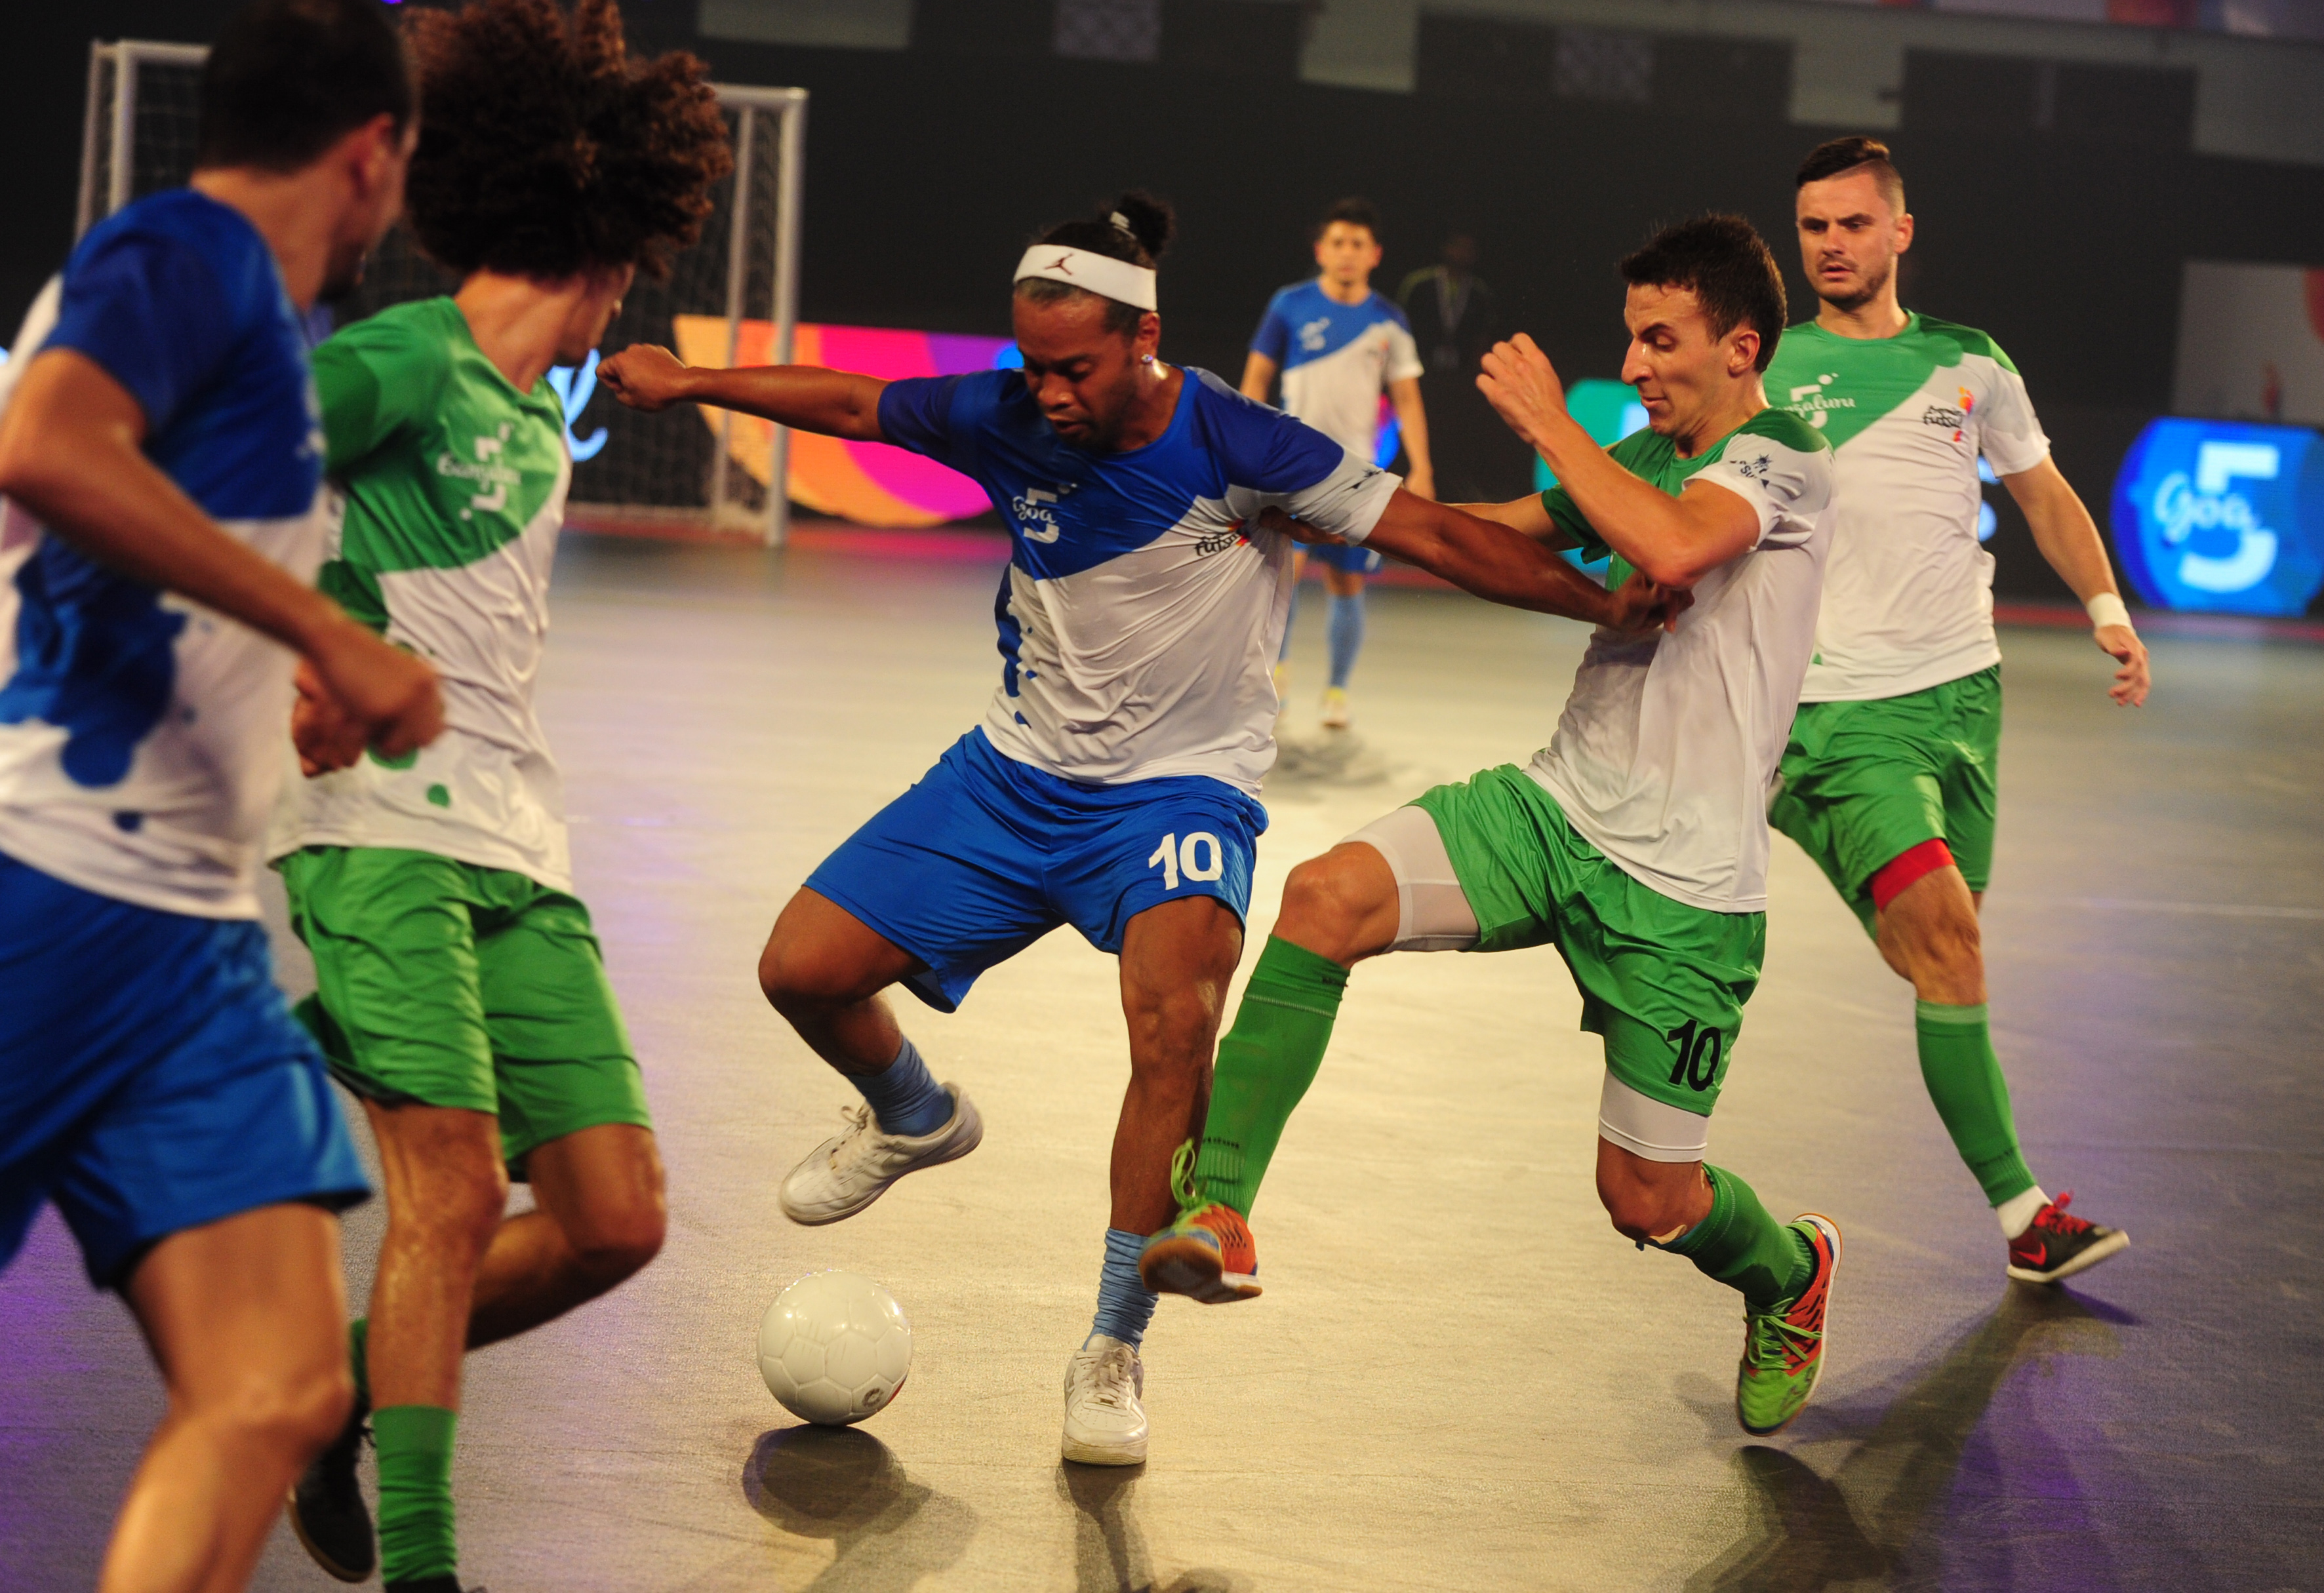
2107, 609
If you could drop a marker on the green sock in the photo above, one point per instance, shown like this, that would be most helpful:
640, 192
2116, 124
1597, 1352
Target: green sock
1265, 1063
1965, 1082
359, 1359
1744, 1247
415, 1492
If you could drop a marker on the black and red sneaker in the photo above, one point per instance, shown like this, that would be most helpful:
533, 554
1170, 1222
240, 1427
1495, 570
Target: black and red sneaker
2057, 1244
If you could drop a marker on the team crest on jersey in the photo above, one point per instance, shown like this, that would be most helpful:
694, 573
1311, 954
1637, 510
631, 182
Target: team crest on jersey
1033, 510
1312, 335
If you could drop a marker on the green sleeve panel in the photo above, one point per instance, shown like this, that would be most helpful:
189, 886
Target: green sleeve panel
1777, 426
374, 379
1636, 453
1970, 340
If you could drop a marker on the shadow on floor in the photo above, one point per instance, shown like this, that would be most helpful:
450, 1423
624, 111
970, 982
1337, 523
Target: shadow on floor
1859, 1525
1108, 1547
843, 1484
1329, 758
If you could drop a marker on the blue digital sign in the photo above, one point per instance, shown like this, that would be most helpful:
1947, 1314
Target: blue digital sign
2222, 517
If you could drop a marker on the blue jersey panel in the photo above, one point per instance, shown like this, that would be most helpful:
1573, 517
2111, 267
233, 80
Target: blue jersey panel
985, 855
178, 298
1069, 508
1310, 324
150, 1079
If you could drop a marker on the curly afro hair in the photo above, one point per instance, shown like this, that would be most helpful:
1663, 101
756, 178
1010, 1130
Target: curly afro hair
545, 152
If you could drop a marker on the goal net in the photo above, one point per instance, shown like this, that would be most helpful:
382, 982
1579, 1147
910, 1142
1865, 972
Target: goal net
738, 282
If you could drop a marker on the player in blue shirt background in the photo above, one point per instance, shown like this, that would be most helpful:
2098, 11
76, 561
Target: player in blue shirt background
159, 456
1114, 784
1337, 344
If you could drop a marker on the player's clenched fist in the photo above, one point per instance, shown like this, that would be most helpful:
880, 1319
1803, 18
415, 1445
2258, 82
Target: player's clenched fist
644, 376
356, 691
1520, 382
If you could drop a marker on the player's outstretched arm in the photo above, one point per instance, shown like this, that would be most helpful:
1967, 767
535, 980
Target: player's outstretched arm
2069, 539
836, 403
71, 454
1496, 562
1672, 541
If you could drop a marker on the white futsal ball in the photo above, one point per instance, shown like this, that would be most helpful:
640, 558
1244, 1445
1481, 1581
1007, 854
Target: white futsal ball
835, 1347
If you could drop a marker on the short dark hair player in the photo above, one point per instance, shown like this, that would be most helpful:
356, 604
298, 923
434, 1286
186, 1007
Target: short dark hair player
1889, 781
165, 517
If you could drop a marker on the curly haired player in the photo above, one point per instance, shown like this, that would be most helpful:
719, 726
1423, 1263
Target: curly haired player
462, 995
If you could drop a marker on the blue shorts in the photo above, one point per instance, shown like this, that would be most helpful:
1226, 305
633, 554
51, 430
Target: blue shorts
150, 1078
985, 855
1356, 561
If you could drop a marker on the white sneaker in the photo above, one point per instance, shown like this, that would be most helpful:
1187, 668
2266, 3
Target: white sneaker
1337, 714
844, 1174
1104, 1424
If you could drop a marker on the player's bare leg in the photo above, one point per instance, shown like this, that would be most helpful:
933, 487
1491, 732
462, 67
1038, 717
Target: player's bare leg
1928, 932
246, 1319
1176, 959
1346, 639
599, 1217
824, 970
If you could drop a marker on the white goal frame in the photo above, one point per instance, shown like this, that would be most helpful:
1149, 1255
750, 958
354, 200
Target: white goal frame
109, 124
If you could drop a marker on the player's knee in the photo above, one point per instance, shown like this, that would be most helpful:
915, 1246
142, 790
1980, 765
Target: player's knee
620, 1242
1324, 904
1640, 1208
457, 1205
798, 982
281, 1411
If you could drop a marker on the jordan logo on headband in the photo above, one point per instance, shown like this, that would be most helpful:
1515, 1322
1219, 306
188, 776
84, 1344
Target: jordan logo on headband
1102, 274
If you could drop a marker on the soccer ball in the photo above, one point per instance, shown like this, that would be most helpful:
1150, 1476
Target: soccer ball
835, 1347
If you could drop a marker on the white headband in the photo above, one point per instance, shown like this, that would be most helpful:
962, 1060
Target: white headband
1100, 274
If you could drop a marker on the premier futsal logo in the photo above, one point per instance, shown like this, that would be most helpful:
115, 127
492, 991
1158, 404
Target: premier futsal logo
1813, 404
1950, 417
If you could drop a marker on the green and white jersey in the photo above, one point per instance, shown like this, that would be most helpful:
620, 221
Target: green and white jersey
1908, 595
1668, 746
455, 488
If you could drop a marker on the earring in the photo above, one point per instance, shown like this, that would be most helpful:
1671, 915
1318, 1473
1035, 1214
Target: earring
1145, 359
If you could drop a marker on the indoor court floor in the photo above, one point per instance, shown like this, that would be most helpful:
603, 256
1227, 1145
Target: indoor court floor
1459, 1377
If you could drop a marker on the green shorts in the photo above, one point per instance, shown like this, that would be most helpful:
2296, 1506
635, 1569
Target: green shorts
446, 984
1864, 783
1663, 981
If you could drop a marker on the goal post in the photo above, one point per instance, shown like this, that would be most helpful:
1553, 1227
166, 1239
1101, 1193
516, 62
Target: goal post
740, 279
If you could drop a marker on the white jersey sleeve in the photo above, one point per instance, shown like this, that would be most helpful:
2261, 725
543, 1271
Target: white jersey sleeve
2007, 433
1348, 502
1403, 353
1786, 488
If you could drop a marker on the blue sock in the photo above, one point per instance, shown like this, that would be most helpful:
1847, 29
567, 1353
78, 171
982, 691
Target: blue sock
905, 1096
1347, 634
1124, 1304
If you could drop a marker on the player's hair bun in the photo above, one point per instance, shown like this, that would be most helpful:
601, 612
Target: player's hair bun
1136, 229
1151, 220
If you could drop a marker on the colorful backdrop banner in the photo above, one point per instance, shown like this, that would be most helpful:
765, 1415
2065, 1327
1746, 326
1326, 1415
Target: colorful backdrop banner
872, 484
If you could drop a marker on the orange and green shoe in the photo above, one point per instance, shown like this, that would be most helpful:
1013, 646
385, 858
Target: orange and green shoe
1207, 1254
1783, 1349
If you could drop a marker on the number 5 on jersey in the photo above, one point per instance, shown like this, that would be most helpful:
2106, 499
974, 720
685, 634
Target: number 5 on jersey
1198, 857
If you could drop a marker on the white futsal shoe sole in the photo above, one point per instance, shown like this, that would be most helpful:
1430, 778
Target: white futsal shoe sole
1104, 1424
845, 1173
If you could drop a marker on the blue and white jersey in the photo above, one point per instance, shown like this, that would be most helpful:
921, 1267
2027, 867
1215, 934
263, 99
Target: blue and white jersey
1337, 359
1140, 615
143, 737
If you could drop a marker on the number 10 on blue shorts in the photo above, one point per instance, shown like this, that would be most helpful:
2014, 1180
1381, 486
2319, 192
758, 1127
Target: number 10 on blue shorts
985, 855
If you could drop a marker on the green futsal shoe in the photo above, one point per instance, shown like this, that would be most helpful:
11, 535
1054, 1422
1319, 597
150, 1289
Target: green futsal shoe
1783, 1349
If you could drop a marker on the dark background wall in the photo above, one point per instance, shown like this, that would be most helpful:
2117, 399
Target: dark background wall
2056, 205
